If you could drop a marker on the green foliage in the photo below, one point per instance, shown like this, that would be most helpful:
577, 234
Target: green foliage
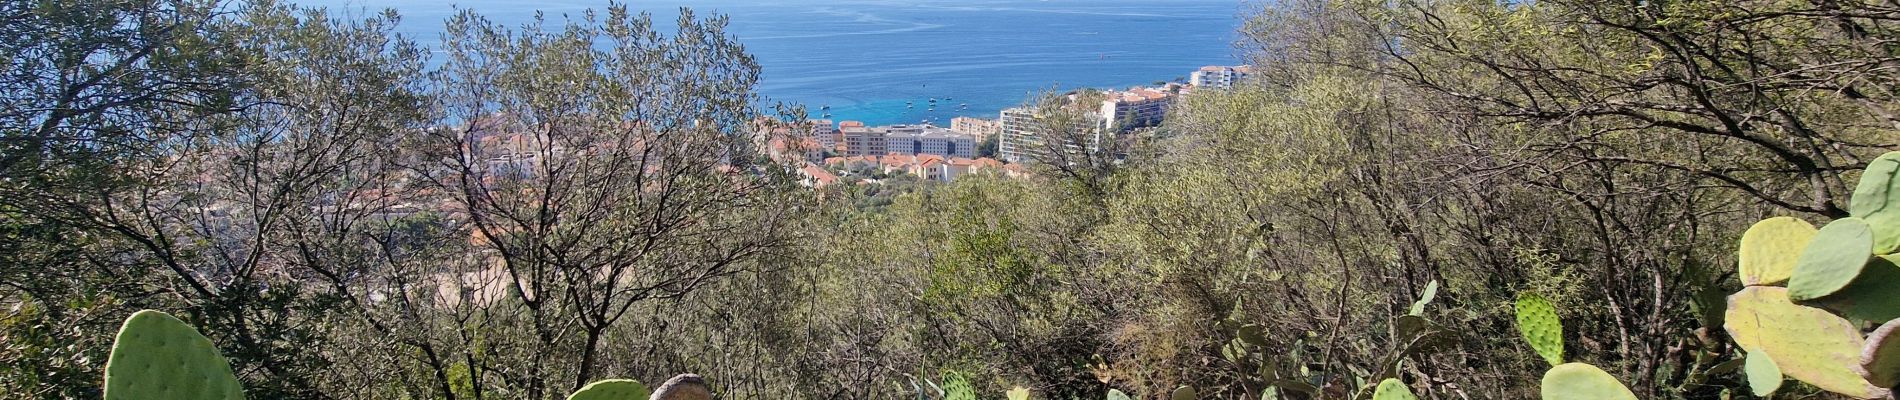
1764, 377
612, 389
1393, 389
1769, 249
1877, 200
1537, 320
158, 357
1832, 260
1579, 381
1114, 394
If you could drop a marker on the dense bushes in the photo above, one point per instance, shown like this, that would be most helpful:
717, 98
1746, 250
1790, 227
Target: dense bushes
1266, 239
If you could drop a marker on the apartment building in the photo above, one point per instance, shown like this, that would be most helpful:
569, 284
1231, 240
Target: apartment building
979, 128
1219, 77
928, 139
860, 140
1137, 107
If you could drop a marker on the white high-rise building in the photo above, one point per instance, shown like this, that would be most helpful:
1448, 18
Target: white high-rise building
1219, 77
1017, 125
927, 139
1024, 133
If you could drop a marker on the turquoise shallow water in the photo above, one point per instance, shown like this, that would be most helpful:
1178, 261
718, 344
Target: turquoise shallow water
868, 59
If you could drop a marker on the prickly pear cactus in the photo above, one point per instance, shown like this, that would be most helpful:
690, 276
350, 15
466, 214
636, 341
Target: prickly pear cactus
1769, 249
1881, 357
1117, 395
1874, 296
1537, 320
956, 387
1832, 260
1019, 393
1579, 381
1393, 389
1807, 343
1431, 291
1877, 200
158, 357
1184, 393
1764, 377
612, 389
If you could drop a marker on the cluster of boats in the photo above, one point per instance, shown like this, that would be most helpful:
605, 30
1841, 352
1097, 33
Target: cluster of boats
932, 106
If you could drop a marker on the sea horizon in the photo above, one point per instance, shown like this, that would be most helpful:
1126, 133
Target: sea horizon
882, 62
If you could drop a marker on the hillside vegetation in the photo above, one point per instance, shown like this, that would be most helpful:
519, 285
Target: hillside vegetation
524, 210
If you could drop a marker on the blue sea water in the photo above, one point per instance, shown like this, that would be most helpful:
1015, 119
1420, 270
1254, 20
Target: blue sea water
881, 61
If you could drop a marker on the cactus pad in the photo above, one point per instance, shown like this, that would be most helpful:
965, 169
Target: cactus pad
1019, 393
1537, 320
158, 357
1764, 377
1881, 358
1872, 295
1117, 395
956, 387
1579, 381
1877, 200
1807, 343
611, 389
1392, 389
1832, 260
1431, 291
1184, 393
1769, 249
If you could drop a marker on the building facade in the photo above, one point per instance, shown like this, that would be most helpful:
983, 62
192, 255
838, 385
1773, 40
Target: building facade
1020, 135
860, 140
1136, 108
979, 128
1219, 77
927, 139
824, 132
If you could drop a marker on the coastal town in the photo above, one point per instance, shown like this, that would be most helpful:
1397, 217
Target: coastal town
832, 152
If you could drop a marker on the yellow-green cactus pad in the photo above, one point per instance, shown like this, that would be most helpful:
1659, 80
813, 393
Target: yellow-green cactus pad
1873, 296
1807, 343
1184, 393
1579, 381
1881, 357
1537, 320
1764, 377
1019, 393
1832, 260
1392, 389
1877, 200
158, 357
1769, 249
612, 389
